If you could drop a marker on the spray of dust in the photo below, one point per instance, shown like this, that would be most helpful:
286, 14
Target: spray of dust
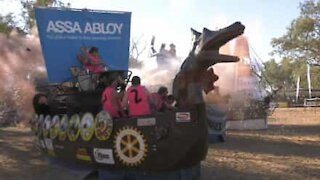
21, 63
233, 77
153, 76
236, 79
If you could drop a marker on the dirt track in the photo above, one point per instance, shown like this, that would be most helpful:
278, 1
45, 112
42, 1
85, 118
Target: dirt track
284, 151
281, 152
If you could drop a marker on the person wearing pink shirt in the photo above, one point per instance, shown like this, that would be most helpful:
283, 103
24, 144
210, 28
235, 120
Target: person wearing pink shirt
92, 60
137, 98
159, 100
111, 101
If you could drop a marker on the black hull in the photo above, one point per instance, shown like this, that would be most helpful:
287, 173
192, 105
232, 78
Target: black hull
168, 144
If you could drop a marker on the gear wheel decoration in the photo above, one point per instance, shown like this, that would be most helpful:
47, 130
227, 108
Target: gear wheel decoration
104, 126
55, 125
130, 146
73, 128
87, 126
39, 125
46, 126
63, 128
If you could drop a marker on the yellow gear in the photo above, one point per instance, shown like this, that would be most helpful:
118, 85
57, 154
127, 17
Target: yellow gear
130, 146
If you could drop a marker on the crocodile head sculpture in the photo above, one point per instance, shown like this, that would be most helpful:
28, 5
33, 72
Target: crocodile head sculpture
196, 73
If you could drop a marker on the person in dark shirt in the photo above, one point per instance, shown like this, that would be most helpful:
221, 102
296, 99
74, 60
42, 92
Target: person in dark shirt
170, 101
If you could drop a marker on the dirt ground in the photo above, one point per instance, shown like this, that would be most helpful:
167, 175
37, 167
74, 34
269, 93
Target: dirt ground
286, 150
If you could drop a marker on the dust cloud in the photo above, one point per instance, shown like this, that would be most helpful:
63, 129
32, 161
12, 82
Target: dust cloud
21, 64
237, 79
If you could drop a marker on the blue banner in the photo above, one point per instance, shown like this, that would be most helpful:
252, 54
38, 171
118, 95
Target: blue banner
69, 36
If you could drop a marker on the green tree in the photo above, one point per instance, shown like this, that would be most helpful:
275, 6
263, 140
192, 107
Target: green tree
28, 10
302, 39
286, 72
279, 74
7, 23
299, 46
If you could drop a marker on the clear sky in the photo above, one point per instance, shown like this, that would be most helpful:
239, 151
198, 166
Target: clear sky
170, 20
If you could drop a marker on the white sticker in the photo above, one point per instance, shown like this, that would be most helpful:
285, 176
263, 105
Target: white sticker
56, 146
183, 117
48, 143
104, 156
146, 121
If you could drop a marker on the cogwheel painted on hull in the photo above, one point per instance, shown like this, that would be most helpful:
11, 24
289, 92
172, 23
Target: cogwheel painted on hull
130, 146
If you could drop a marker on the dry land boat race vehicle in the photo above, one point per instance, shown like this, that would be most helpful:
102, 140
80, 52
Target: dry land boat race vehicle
72, 128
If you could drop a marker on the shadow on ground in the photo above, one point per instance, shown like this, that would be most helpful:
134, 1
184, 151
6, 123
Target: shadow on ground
20, 159
281, 152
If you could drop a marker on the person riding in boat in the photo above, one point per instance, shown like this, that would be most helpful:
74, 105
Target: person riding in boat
170, 100
92, 60
137, 98
111, 100
159, 100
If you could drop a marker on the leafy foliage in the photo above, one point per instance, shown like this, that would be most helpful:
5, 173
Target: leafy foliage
299, 46
302, 40
24, 26
6, 24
